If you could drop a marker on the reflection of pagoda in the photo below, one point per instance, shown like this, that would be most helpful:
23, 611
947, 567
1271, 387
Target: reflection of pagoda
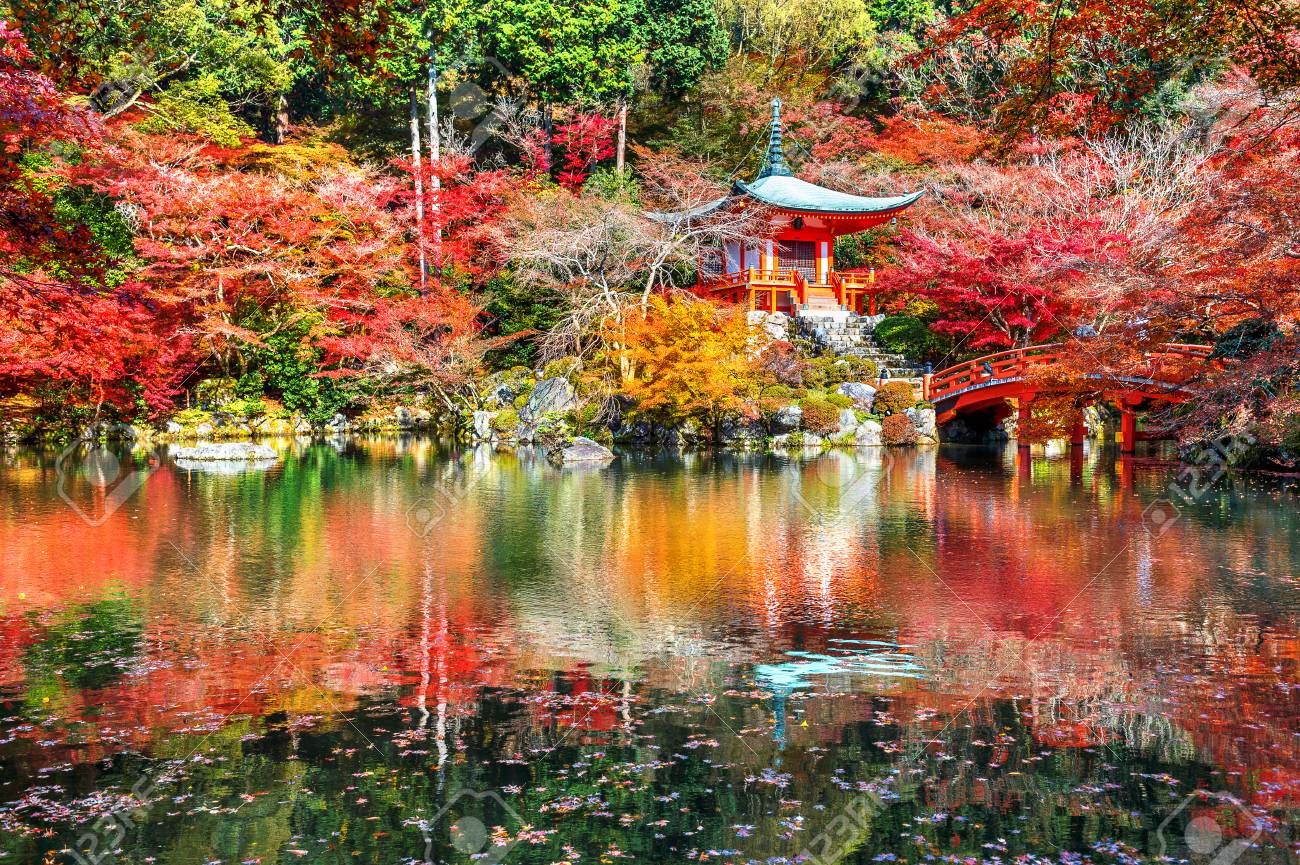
795, 269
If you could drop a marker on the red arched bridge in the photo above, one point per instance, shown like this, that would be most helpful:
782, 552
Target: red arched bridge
987, 383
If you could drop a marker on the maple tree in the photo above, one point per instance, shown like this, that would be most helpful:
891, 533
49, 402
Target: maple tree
1088, 64
68, 340
585, 140
1226, 273
684, 358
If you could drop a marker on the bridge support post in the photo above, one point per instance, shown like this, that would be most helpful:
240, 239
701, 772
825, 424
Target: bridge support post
1077, 434
1127, 429
1023, 415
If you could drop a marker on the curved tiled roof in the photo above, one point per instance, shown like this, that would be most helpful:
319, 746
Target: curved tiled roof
777, 187
791, 193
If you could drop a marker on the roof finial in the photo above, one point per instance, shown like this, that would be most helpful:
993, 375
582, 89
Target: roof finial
774, 164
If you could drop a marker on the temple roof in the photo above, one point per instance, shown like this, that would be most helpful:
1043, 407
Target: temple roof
791, 193
777, 186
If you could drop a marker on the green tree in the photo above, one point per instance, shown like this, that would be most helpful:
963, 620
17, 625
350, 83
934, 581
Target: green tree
567, 50
209, 66
683, 40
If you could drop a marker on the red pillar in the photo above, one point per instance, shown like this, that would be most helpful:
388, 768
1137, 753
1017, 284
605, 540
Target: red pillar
1077, 434
1022, 417
1128, 429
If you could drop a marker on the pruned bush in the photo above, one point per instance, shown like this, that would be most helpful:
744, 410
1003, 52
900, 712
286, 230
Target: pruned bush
564, 367
830, 372
894, 397
898, 429
820, 415
506, 421
839, 400
912, 338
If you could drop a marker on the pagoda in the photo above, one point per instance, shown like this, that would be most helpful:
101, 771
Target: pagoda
794, 270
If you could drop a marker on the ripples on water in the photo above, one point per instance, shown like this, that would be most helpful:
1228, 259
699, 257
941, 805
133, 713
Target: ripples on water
386, 651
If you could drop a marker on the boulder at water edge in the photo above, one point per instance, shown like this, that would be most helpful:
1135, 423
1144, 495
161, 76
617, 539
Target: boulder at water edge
787, 419
924, 421
581, 450
227, 451
863, 395
868, 434
551, 395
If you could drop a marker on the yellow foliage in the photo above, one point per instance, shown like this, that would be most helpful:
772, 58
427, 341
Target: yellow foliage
298, 159
1056, 406
685, 358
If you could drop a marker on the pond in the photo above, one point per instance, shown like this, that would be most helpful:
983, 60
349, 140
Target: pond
387, 650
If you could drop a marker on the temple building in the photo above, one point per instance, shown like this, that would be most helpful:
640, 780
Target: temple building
795, 269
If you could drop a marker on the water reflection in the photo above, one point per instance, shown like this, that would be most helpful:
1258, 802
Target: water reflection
671, 656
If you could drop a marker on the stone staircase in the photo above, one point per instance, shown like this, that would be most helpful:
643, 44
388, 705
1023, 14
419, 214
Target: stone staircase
837, 331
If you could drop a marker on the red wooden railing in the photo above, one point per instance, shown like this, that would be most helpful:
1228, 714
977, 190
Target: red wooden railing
1013, 364
855, 285
800, 288
837, 286
849, 288
748, 285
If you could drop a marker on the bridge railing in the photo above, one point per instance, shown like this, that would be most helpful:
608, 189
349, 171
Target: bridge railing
1003, 365
1013, 364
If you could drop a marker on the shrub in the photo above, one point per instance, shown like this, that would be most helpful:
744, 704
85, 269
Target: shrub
564, 367
506, 421
246, 408
894, 397
587, 419
858, 369
829, 372
898, 429
839, 400
912, 338
820, 415
553, 430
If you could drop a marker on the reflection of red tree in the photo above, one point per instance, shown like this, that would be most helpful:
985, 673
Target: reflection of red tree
1000, 595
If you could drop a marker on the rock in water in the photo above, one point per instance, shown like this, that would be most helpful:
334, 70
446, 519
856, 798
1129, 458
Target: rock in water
787, 419
582, 450
926, 423
228, 451
868, 435
848, 421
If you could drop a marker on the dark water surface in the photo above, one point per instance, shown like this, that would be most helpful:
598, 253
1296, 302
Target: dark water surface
385, 651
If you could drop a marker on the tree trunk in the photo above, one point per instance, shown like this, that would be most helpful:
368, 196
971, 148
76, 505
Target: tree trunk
622, 137
435, 153
419, 186
281, 118
547, 131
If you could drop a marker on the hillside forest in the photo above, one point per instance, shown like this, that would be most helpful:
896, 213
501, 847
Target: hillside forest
338, 206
